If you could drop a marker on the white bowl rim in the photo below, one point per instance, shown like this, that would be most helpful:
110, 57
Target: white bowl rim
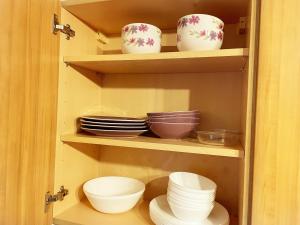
198, 202
114, 197
200, 14
171, 179
194, 193
151, 25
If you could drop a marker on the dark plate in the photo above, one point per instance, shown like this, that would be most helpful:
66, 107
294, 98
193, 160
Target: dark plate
108, 127
114, 133
103, 123
113, 119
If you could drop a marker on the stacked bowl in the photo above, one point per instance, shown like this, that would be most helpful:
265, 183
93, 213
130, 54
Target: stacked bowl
161, 214
199, 32
173, 124
191, 197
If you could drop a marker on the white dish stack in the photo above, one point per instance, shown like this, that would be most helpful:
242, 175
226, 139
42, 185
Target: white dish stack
190, 196
190, 200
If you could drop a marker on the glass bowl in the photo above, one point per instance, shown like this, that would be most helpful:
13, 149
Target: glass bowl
219, 137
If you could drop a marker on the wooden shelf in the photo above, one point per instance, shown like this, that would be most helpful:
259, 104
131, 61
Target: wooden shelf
225, 60
84, 214
109, 16
186, 146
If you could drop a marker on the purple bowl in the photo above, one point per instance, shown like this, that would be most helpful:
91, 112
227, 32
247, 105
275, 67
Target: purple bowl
175, 116
172, 130
174, 120
176, 113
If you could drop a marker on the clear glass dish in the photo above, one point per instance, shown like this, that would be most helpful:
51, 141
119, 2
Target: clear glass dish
220, 137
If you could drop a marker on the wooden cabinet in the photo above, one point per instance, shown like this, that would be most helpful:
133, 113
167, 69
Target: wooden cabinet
94, 77
276, 181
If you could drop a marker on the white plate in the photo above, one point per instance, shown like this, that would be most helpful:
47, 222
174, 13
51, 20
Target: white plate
161, 214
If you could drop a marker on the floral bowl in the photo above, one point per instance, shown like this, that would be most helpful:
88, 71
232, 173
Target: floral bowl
200, 40
141, 38
198, 32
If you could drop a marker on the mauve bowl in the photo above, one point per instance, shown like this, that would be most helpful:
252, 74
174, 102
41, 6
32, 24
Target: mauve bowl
172, 130
174, 119
176, 113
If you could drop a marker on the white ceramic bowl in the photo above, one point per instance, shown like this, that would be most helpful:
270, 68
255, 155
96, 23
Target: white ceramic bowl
197, 32
195, 197
190, 214
192, 183
190, 200
188, 204
199, 40
200, 21
141, 38
113, 194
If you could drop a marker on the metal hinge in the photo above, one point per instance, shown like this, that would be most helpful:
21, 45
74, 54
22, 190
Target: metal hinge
59, 196
66, 29
242, 26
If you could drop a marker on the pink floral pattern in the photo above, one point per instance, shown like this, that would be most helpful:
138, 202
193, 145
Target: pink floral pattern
194, 20
220, 35
207, 35
132, 40
183, 22
143, 28
133, 29
140, 42
202, 33
213, 35
150, 42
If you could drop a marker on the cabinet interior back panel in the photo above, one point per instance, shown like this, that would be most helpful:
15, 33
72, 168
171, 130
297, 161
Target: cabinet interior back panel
153, 168
109, 16
216, 95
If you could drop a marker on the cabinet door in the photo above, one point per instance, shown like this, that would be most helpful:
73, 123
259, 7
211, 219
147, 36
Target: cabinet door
28, 99
276, 187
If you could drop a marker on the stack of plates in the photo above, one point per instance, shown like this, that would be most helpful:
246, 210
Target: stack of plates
161, 214
113, 126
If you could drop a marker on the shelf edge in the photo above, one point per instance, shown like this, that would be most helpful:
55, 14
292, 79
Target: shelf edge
142, 144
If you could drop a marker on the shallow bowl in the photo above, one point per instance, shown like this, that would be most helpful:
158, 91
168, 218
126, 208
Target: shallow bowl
113, 194
172, 130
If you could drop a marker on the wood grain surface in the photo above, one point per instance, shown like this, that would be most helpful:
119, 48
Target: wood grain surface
28, 93
276, 188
